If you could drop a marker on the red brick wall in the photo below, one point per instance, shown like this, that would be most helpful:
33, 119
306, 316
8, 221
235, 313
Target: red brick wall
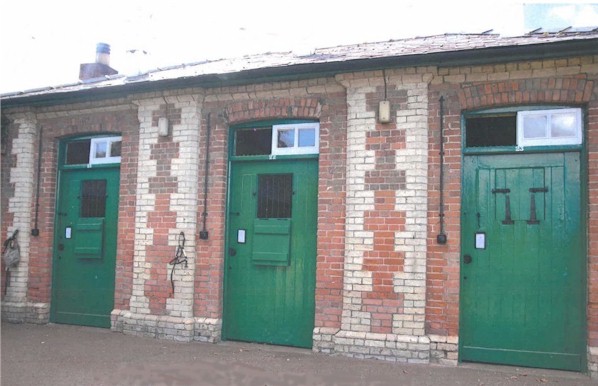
40, 258
442, 312
209, 267
331, 210
330, 109
127, 203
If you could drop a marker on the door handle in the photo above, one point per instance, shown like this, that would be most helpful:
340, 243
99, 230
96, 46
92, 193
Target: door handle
232, 251
467, 259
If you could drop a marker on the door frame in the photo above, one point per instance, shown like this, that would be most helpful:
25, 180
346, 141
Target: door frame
513, 150
232, 160
62, 168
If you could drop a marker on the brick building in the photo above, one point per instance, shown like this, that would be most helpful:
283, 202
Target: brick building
429, 200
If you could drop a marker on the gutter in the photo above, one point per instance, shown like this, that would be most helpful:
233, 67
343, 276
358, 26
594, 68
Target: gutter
491, 55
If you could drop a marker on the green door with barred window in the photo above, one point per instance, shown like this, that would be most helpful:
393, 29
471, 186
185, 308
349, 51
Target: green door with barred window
523, 263
85, 246
271, 258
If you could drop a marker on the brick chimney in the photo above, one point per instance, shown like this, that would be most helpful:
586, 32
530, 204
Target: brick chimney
101, 67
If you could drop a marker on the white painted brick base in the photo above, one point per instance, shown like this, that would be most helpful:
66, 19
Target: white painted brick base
444, 350
366, 345
18, 312
593, 362
323, 339
207, 330
166, 327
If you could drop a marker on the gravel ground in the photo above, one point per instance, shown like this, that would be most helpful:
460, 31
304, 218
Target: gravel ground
72, 355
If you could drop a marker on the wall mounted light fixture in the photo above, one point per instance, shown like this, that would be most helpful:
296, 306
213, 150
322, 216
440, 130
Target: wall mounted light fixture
384, 106
163, 127
384, 111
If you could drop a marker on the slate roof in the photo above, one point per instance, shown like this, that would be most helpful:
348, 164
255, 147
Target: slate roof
414, 48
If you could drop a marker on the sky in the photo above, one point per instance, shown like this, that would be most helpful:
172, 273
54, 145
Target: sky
42, 43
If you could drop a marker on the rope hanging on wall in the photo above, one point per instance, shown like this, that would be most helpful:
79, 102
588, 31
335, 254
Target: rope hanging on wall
180, 257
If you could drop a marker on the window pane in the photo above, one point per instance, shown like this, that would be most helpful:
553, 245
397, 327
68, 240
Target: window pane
100, 149
115, 149
286, 138
563, 125
93, 198
307, 137
491, 131
275, 195
77, 152
256, 141
534, 126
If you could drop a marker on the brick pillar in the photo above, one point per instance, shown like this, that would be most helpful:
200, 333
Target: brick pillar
15, 307
385, 265
166, 205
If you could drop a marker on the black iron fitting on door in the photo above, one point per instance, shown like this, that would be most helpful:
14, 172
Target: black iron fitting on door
467, 259
508, 220
532, 206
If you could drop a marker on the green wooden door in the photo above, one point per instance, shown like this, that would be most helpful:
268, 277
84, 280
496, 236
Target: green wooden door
523, 264
85, 247
271, 256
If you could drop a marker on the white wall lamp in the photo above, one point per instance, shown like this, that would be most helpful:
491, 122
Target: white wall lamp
384, 106
384, 111
163, 127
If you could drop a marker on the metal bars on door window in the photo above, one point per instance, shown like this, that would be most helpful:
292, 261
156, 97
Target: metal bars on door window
93, 198
274, 196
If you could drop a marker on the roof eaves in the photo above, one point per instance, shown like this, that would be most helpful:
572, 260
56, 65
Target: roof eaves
328, 65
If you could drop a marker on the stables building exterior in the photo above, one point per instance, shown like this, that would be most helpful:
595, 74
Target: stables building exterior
427, 200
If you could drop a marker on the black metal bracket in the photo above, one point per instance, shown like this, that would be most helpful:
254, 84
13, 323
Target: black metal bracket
538, 190
533, 220
508, 220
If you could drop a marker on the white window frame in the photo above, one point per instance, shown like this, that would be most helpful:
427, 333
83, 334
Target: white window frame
548, 140
296, 149
109, 159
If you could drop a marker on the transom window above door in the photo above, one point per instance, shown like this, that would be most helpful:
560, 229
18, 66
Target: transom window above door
93, 151
524, 128
273, 140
